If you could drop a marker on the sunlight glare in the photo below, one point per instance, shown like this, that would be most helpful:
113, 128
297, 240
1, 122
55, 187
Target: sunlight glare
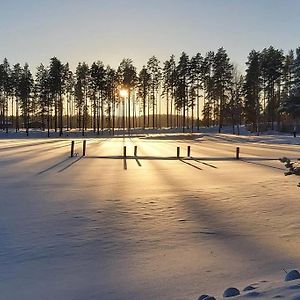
123, 93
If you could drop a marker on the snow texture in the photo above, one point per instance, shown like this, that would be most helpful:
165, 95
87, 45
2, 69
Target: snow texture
147, 227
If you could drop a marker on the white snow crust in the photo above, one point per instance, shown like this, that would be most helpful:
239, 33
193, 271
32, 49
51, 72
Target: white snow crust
151, 226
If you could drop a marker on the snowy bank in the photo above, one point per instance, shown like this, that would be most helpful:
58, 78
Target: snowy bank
287, 288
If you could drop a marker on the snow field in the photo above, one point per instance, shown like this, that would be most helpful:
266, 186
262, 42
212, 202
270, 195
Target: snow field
86, 228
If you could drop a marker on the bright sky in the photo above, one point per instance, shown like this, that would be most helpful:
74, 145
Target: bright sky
88, 30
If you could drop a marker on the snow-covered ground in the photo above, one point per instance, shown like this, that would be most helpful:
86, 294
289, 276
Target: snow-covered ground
163, 133
148, 227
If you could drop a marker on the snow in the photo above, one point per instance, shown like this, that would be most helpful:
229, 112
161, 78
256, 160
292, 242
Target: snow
273, 290
248, 288
231, 292
202, 297
161, 228
292, 275
166, 133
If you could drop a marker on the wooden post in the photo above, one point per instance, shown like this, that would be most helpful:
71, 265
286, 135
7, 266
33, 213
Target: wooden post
72, 148
188, 151
135, 150
237, 153
178, 152
124, 151
84, 148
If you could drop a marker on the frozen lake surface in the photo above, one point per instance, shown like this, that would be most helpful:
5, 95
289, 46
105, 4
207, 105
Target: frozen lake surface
150, 227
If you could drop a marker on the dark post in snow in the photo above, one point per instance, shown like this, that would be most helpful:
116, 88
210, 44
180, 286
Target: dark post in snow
124, 151
84, 148
72, 148
135, 150
237, 153
188, 151
178, 152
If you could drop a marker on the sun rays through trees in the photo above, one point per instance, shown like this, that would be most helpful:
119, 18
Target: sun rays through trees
187, 92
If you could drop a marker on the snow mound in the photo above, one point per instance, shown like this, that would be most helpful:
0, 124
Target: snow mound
231, 292
208, 298
253, 294
288, 288
202, 297
293, 167
292, 275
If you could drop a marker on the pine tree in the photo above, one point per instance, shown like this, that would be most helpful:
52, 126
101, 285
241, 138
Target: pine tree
222, 80
69, 90
127, 78
235, 104
291, 102
168, 85
97, 89
15, 79
182, 87
25, 90
272, 65
110, 88
5, 92
296, 73
207, 83
81, 94
195, 82
143, 90
154, 70
42, 93
252, 89
287, 74
56, 84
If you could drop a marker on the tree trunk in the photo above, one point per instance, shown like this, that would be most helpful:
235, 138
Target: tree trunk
60, 115
144, 112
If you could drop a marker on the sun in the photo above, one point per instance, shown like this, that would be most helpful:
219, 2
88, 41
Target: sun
123, 93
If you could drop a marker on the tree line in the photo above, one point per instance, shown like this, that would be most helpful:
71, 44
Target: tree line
201, 90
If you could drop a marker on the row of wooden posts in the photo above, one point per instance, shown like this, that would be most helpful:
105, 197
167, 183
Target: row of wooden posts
83, 148
237, 155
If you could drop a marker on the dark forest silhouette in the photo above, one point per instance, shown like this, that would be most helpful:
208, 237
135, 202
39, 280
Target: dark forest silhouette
188, 93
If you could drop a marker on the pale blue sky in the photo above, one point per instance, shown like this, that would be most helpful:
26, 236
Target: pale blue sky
87, 30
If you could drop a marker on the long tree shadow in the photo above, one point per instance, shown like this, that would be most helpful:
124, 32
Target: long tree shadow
53, 166
70, 165
35, 158
189, 164
249, 161
28, 145
31, 155
96, 142
206, 164
137, 161
41, 150
208, 215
